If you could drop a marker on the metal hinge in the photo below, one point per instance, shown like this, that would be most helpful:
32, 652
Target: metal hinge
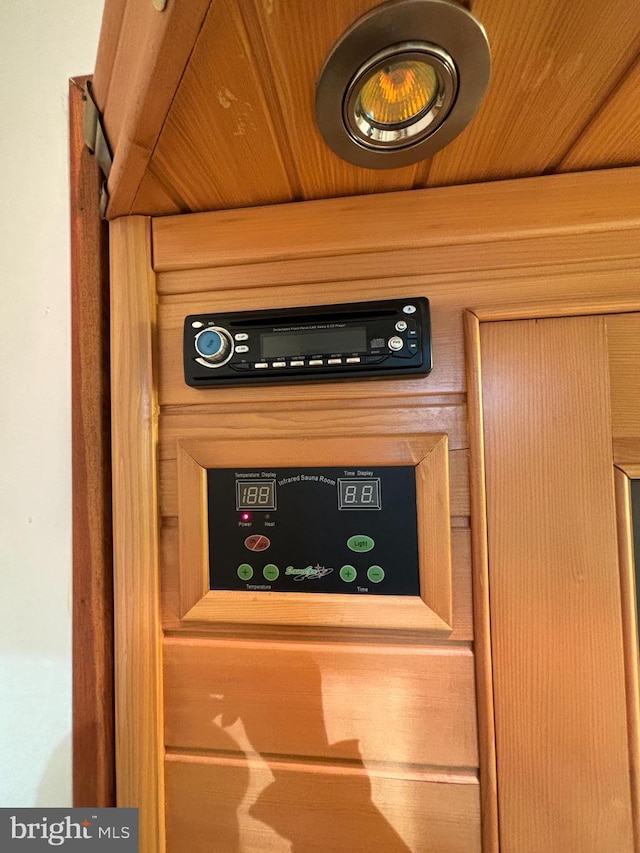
95, 139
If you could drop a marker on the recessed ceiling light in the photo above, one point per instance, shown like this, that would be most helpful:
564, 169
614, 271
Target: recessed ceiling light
402, 82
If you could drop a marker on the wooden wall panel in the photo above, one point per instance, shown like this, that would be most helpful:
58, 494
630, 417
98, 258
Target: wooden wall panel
513, 210
267, 808
414, 705
295, 68
613, 136
448, 299
93, 726
138, 680
545, 87
219, 146
446, 264
623, 343
558, 668
152, 51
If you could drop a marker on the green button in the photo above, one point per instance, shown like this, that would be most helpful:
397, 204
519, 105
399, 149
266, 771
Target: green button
245, 572
360, 544
271, 572
348, 573
375, 574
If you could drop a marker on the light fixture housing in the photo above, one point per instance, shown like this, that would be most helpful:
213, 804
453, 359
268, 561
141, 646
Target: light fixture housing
402, 82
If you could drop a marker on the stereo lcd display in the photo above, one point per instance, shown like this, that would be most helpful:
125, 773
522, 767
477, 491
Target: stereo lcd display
318, 342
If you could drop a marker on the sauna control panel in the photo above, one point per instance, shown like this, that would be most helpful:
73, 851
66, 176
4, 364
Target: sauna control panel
350, 530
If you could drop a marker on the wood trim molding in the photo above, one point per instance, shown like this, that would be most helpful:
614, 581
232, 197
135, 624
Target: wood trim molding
93, 723
139, 735
431, 612
480, 572
582, 203
630, 634
567, 307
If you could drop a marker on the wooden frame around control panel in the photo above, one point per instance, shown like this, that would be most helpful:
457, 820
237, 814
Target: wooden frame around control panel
428, 612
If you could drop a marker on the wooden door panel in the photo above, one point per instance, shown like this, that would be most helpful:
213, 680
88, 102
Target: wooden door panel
558, 666
402, 705
236, 805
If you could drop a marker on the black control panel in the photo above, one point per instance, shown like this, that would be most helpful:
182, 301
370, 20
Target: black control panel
336, 530
327, 342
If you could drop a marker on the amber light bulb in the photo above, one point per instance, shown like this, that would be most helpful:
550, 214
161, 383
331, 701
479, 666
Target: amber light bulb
398, 92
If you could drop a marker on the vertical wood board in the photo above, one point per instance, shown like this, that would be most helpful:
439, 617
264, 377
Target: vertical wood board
558, 664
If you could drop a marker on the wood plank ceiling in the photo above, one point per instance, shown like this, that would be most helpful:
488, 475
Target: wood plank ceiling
210, 104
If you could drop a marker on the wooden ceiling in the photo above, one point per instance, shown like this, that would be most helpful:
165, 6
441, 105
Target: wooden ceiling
209, 104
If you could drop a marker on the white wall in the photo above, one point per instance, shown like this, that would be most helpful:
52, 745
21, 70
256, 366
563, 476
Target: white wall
42, 44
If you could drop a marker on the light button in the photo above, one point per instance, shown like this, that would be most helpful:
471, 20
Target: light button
360, 544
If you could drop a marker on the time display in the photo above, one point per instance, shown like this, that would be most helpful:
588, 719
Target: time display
255, 494
359, 494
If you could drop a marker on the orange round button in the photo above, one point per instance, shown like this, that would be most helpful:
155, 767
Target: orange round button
257, 542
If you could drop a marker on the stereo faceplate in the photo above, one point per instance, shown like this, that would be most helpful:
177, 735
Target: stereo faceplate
322, 343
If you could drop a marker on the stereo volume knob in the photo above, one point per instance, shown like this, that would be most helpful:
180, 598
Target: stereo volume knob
214, 345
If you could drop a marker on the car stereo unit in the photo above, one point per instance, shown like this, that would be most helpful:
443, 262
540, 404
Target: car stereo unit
359, 340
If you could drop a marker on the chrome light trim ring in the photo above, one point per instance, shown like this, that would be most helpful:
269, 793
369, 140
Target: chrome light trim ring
440, 23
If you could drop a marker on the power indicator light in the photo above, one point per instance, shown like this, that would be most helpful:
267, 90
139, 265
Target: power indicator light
246, 516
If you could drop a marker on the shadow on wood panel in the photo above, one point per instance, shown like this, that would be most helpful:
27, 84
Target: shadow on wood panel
213, 801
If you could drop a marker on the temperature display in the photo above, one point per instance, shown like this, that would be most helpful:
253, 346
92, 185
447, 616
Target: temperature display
255, 494
359, 494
